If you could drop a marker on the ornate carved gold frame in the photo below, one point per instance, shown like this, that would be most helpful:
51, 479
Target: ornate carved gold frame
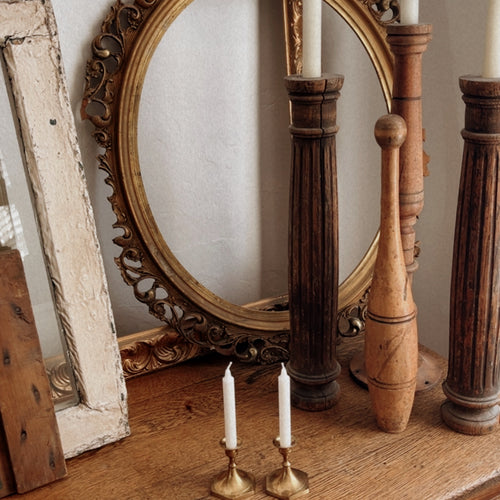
115, 75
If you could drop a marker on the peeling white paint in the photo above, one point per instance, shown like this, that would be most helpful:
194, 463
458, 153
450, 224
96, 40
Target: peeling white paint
32, 55
24, 18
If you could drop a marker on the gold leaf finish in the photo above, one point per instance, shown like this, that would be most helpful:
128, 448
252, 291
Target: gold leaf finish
152, 350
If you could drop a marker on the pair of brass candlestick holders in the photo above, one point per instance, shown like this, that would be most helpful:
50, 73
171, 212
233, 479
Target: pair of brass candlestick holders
285, 483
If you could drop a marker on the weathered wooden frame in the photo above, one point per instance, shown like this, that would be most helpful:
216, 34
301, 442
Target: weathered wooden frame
30, 49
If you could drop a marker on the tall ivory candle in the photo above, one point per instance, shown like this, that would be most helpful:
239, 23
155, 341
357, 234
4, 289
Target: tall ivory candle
311, 38
491, 63
408, 11
229, 410
284, 407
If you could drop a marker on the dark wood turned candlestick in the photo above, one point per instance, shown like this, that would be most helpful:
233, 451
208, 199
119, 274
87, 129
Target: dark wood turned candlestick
472, 385
313, 242
408, 43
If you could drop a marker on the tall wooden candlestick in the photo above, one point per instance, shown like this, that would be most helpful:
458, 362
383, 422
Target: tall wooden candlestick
313, 242
408, 43
473, 382
391, 344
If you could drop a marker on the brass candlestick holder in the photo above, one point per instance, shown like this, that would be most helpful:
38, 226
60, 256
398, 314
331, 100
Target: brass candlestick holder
232, 483
286, 483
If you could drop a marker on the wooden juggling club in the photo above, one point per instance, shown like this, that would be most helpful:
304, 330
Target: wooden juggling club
391, 344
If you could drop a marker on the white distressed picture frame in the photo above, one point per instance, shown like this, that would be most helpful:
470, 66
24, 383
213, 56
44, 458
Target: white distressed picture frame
30, 48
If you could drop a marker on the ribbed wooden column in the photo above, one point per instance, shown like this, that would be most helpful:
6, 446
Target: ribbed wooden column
473, 382
313, 242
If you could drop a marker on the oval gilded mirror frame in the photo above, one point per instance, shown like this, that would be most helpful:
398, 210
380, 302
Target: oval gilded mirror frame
115, 76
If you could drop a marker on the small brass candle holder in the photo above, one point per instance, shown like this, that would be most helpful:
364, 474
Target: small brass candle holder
286, 483
232, 483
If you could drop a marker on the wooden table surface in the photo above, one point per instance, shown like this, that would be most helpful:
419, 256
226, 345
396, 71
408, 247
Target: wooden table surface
176, 419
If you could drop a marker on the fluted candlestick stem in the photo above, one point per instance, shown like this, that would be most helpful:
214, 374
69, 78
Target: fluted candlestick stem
472, 385
313, 243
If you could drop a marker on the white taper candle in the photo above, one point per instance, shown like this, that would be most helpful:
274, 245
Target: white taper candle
491, 63
229, 410
311, 38
285, 427
408, 11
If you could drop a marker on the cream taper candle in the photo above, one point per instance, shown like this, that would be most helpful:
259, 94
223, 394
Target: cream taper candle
229, 410
285, 427
491, 63
311, 38
408, 11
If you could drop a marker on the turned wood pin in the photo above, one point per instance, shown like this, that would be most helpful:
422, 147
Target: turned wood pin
391, 345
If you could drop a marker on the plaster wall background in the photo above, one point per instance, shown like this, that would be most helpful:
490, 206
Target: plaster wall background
215, 146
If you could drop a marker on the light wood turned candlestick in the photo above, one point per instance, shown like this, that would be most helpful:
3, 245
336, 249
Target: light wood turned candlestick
473, 382
313, 242
408, 43
391, 345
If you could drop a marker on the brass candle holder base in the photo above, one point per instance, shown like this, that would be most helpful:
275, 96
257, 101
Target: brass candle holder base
286, 483
232, 483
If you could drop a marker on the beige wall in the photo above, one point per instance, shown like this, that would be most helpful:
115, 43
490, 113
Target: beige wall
238, 164
456, 50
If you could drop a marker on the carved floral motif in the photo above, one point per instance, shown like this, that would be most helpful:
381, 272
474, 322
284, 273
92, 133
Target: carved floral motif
162, 350
385, 11
351, 319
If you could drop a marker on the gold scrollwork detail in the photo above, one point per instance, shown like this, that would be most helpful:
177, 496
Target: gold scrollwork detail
384, 11
147, 352
59, 375
351, 320
163, 347
109, 50
292, 10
